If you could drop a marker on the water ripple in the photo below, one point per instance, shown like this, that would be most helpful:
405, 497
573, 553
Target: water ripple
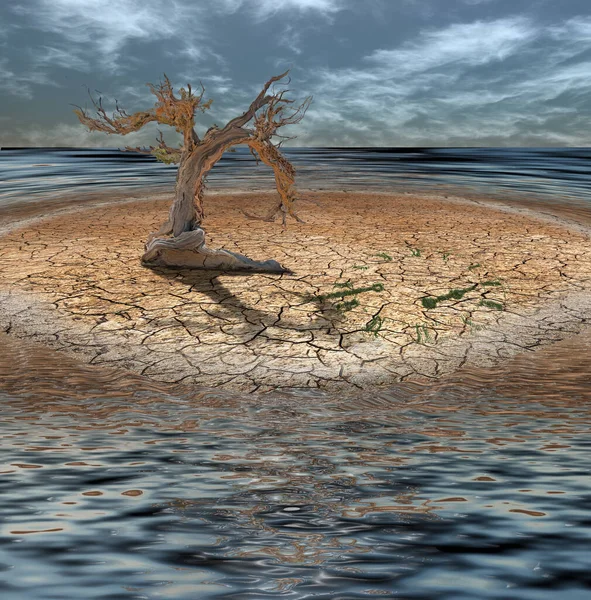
475, 486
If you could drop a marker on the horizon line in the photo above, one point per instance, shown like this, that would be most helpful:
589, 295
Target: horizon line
286, 147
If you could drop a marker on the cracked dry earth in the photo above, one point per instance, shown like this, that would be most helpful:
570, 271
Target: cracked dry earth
74, 282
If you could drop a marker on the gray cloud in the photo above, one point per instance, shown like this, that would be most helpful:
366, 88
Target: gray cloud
21, 84
263, 10
438, 87
60, 58
102, 30
470, 44
478, 73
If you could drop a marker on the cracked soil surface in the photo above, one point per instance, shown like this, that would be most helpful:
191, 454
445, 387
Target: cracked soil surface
352, 314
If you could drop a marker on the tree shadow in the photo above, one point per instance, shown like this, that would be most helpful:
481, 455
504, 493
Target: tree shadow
206, 282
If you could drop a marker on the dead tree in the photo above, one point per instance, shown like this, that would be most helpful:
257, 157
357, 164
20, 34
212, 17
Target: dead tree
180, 242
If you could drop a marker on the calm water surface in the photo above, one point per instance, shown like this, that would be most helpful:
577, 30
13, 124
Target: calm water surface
547, 174
476, 486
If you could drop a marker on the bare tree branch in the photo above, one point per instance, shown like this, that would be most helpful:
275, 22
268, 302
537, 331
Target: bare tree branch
162, 152
258, 103
119, 123
268, 113
169, 110
284, 180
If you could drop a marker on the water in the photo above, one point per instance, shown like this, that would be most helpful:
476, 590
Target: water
547, 174
476, 486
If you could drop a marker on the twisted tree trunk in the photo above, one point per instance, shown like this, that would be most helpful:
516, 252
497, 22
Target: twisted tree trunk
180, 242
187, 246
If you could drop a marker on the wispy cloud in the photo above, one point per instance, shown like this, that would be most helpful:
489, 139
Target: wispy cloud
21, 84
104, 29
470, 44
478, 2
290, 37
47, 55
94, 37
467, 81
264, 9
433, 63
77, 136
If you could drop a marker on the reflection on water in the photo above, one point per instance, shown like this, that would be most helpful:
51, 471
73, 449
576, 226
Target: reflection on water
477, 486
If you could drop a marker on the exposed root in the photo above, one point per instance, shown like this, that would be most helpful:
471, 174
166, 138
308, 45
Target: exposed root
196, 157
188, 250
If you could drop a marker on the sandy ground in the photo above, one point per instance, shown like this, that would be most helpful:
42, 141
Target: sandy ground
73, 281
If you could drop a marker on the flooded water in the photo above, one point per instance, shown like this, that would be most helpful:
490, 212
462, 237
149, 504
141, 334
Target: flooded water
474, 486
546, 174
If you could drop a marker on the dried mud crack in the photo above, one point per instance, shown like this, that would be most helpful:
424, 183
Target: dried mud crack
384, 288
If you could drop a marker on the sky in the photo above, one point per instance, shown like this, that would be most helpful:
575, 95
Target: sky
381, 72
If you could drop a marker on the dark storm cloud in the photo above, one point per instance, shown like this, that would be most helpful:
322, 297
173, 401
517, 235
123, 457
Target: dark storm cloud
413, 72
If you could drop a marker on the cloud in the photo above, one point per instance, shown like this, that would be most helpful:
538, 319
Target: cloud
104, 29
477, 2
21, 84
291, 39
434, 61
572, 33
64, 134
470, 44
323, 7
264, 9
60, 58
96, 34
464, 83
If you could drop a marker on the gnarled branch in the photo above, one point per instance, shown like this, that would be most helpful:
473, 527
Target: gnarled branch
119, 123
162, 152
266, 124
179, 112
284, 180
169, 110
258, 103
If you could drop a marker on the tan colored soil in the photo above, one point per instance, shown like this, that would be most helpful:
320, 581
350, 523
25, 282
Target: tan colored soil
74, 282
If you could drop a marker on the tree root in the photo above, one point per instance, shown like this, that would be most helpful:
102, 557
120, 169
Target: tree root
188, 250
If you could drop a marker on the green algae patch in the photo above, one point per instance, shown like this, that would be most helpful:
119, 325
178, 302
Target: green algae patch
491, 304
455, 294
